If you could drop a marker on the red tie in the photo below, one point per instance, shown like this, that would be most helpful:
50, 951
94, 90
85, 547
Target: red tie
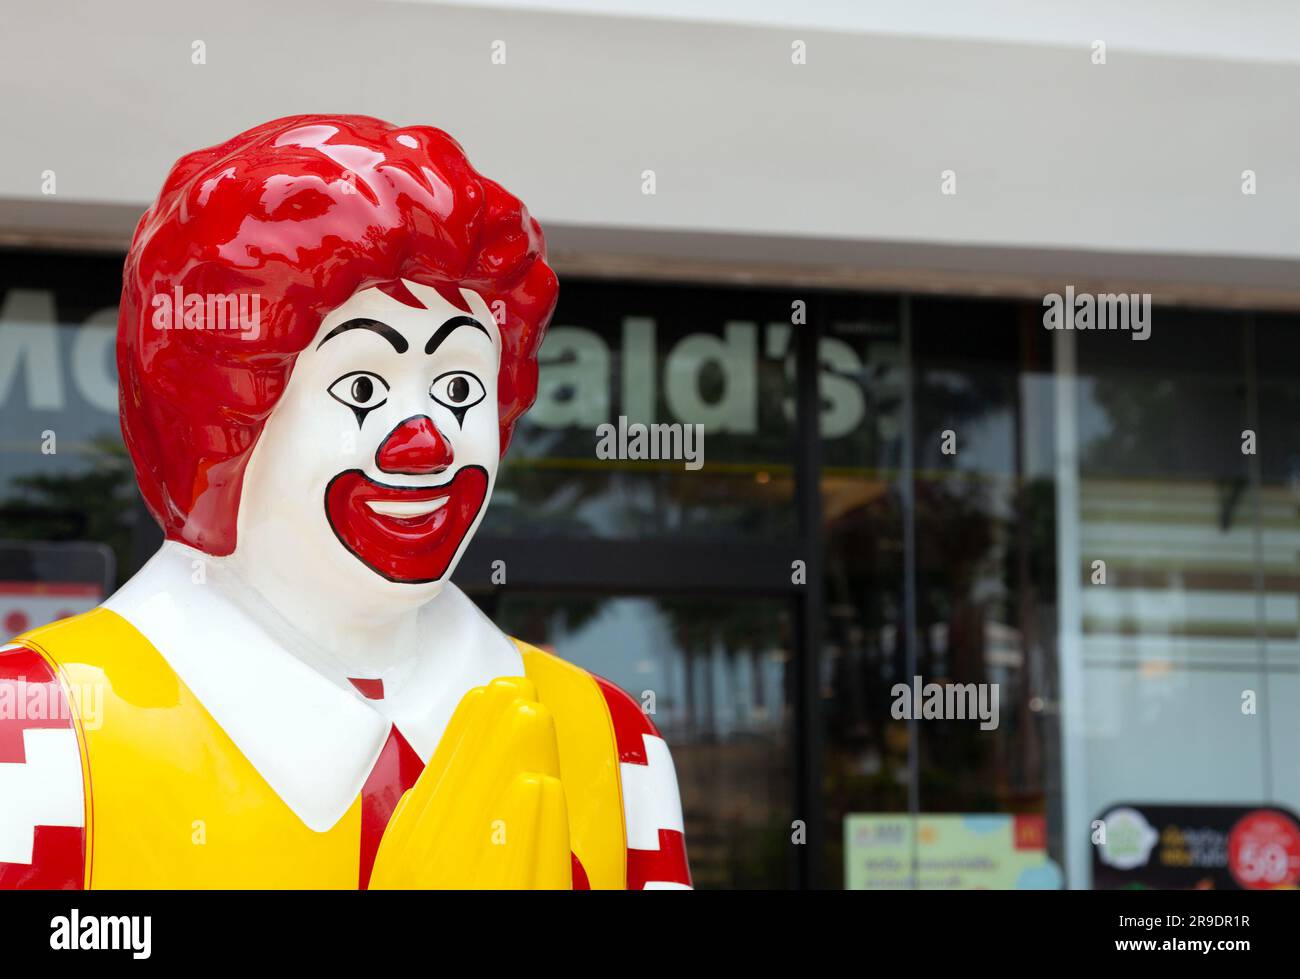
396, 771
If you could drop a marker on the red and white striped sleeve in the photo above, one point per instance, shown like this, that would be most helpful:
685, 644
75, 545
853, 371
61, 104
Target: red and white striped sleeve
652, 804
42, 806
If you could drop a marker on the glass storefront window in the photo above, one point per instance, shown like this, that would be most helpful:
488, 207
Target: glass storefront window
866, 759
973, 503
1276, 346
1168, 617
984, 556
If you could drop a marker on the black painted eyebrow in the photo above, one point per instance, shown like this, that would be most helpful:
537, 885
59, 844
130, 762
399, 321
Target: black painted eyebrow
383, 329
445, 330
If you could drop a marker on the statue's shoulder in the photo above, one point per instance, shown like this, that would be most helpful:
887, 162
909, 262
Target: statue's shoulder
42, 812
566, 686
33, 679
71, 639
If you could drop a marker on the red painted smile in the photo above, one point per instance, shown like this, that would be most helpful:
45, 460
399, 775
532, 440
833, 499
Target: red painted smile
407, 534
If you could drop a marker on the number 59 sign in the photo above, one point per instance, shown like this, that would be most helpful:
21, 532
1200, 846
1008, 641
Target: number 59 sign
1264, 851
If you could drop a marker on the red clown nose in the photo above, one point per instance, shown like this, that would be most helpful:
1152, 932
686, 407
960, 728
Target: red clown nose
415, 448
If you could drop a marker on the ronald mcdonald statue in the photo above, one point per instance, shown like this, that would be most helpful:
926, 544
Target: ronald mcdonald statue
329, 327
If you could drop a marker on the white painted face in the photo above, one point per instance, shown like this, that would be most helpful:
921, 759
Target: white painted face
377, 464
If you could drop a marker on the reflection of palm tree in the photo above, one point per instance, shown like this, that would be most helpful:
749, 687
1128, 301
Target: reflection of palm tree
957, 537
698, 630
733, 765
954, 534
982, 540
92, 504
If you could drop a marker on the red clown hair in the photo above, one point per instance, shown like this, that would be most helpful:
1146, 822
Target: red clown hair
302, 212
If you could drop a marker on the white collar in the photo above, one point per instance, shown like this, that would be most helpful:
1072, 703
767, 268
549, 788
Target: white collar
313, 739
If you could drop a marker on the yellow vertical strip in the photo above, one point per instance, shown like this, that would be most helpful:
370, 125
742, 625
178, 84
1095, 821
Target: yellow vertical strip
588, 765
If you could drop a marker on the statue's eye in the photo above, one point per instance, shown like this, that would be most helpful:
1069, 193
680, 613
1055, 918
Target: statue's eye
361, 391
457, 390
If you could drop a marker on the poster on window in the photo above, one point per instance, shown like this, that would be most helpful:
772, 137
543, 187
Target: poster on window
1196, 847
947, 851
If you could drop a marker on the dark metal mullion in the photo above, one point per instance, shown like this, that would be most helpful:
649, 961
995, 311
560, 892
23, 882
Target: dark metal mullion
809, 719
907, 494
658, 566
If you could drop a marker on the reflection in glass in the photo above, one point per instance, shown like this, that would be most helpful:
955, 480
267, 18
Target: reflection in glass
717, 674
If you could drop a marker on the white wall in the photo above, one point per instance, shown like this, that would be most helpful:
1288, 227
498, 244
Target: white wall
1131, 168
